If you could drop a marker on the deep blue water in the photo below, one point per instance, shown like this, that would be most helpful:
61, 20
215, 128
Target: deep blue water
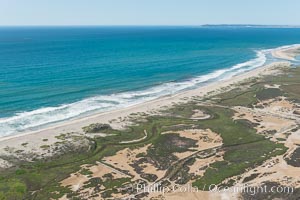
49, 74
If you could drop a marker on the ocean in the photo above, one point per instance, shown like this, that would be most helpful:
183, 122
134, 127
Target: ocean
52, 74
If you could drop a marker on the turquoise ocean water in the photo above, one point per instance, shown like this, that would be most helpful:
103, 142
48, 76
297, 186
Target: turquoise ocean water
51, 74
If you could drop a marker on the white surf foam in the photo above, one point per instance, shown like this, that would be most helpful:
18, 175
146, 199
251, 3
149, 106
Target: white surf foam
35, 119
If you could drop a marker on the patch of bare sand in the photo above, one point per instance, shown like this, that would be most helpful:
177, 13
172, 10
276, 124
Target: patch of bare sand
274, 123
198, 114
124, 158
293, 139
275, 170
100, 170
75, 181
265, 119
63, 198
278, 105
200, 165
191, 195
5, 164
286, 53
271, 86
151, 169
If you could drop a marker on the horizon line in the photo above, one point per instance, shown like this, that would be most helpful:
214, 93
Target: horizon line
146, 25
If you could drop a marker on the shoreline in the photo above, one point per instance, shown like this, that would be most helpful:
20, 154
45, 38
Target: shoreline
284, 53
76, 125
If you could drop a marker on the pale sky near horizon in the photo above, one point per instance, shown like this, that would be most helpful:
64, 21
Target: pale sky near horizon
149, 12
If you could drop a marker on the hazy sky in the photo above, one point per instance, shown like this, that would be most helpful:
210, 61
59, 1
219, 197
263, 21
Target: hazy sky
149, 12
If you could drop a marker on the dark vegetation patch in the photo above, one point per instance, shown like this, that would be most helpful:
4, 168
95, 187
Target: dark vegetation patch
264, 193
182, 176
293, 90
251, 177
161, 152
294, 159
96, 128
268, 93
149, 177
238, 97
247, 123
12, 189
182, 110
289, 83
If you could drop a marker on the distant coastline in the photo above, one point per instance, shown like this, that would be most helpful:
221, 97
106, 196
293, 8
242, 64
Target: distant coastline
249, 26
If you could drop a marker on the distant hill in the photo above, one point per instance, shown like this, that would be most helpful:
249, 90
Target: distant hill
249, 26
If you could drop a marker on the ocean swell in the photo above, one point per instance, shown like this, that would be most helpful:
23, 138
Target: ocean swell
32, 120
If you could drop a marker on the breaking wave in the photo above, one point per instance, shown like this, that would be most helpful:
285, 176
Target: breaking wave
35, 119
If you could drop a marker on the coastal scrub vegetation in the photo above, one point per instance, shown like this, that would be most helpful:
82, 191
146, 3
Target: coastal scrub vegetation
242, 147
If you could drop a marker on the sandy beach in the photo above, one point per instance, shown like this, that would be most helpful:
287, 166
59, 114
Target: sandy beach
120, 118
286, 53
36, 138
